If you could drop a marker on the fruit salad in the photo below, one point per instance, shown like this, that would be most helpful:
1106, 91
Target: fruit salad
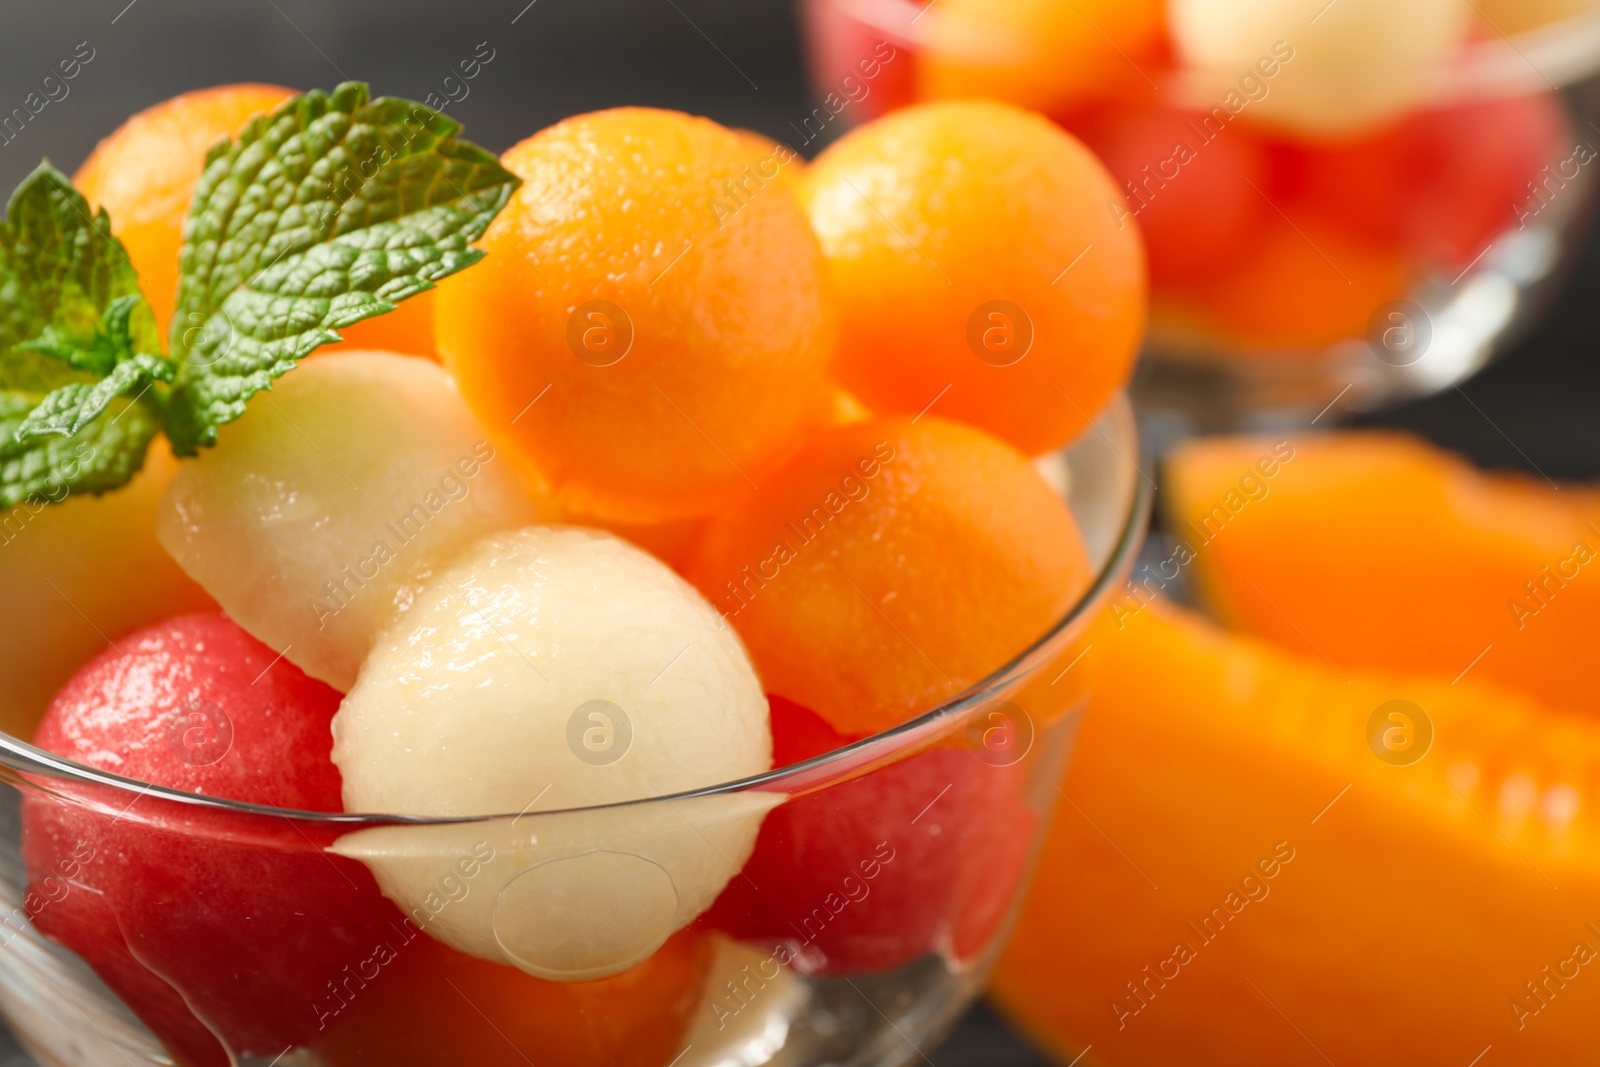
1362, 194
621, 601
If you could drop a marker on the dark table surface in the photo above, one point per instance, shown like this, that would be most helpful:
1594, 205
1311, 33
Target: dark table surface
735, 60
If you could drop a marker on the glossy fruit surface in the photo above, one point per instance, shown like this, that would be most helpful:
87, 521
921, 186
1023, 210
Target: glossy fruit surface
890, 565
652, 322
1422, 562
198, 705
192, 704
544, 670
1237, 874
980, 270
442, 722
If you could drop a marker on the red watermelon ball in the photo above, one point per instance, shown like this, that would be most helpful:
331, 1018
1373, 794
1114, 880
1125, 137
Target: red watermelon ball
1442, 183
244, 916
921, 856
1192, 181
63, 908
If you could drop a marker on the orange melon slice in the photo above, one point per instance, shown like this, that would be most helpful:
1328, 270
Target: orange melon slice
1377, 550
1234, 877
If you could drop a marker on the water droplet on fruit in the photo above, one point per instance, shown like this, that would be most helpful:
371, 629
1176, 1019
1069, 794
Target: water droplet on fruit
615, 909
1517, 796
1561, 804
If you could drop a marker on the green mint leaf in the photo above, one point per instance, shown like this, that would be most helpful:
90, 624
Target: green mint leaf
103, 456
330, 210
115, 338
67, 410
60, 268
70, 313
59, 344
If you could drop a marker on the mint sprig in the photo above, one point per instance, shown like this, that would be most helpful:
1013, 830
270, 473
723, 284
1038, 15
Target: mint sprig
69, 303
102, 456
109, 354
332, 209
288, 239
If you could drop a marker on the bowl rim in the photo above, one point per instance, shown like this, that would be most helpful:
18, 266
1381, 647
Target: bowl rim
19, 759
1540, 58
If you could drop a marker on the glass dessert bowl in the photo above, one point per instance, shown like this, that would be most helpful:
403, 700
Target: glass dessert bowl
1325, 222
711, 686
865, 921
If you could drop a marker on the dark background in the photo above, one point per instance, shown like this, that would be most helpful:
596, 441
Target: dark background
737, 61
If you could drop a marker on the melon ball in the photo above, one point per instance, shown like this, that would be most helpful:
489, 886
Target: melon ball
655, 274
1044, 55
1334, 68
320, 514
553, 668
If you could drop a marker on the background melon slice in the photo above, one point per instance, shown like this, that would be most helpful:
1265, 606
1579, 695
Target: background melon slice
1376, 549
1399, 910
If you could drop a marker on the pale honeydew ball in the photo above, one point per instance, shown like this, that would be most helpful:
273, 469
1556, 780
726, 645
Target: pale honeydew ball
555, 668
324, 509
1354, 65
465, 703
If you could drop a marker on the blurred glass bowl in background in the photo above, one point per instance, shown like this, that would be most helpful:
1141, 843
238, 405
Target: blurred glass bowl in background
1333, 225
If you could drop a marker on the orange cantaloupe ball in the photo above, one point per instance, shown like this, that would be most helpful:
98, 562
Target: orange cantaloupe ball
890, 565
772, 160
1300, 286
980, 267
652, 324
416, 1012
